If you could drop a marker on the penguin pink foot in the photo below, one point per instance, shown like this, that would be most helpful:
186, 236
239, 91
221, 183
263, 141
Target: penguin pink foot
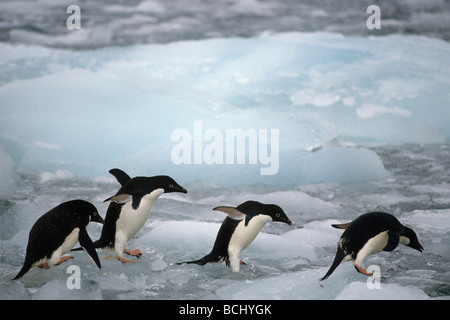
363, 271
63, 259
135, 253
44, 265
125, 260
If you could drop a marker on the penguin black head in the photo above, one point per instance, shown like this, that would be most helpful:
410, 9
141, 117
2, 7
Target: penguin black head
168, 184
146, 185
86, 211
276, 213
253, 208
138, 187
95, 217
411, 240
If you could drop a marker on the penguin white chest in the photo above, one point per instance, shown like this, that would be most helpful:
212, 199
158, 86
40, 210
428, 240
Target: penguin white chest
132, 220
244, 235
374, 245
69, 242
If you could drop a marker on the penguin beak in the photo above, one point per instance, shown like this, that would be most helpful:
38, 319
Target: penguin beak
286, 220
181, 189
417, 246
98, 218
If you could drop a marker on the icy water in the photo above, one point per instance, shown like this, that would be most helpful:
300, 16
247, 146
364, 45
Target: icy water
289, 260
125, 22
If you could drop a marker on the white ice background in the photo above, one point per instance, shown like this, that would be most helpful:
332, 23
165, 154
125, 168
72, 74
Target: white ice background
89, 111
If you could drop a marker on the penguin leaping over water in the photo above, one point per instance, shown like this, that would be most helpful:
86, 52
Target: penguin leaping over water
129, 210
368, 234
238, 230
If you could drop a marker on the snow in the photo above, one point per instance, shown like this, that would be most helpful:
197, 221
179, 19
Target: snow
356, 290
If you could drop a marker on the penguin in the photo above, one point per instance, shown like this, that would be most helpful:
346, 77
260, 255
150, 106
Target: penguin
369, 234
129, 209
56, 232
238, 230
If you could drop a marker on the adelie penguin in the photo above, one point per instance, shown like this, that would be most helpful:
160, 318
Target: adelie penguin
238, 230
129, 210
57, 231
369, 234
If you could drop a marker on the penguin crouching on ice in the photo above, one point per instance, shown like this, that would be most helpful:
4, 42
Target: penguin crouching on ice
238, 230
369, 234
56, 232
129, 210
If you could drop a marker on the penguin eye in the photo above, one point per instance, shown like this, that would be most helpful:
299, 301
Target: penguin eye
170, 186
277, 215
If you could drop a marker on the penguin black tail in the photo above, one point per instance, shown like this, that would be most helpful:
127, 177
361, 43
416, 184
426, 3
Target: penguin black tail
201, 262
206, 259
26, 267
340, 255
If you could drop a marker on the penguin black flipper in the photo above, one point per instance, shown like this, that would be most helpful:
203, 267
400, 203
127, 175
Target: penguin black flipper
246, 209
230, 211
88, 246
120, 198
393, 241
341, 225
340, 255
121, 176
